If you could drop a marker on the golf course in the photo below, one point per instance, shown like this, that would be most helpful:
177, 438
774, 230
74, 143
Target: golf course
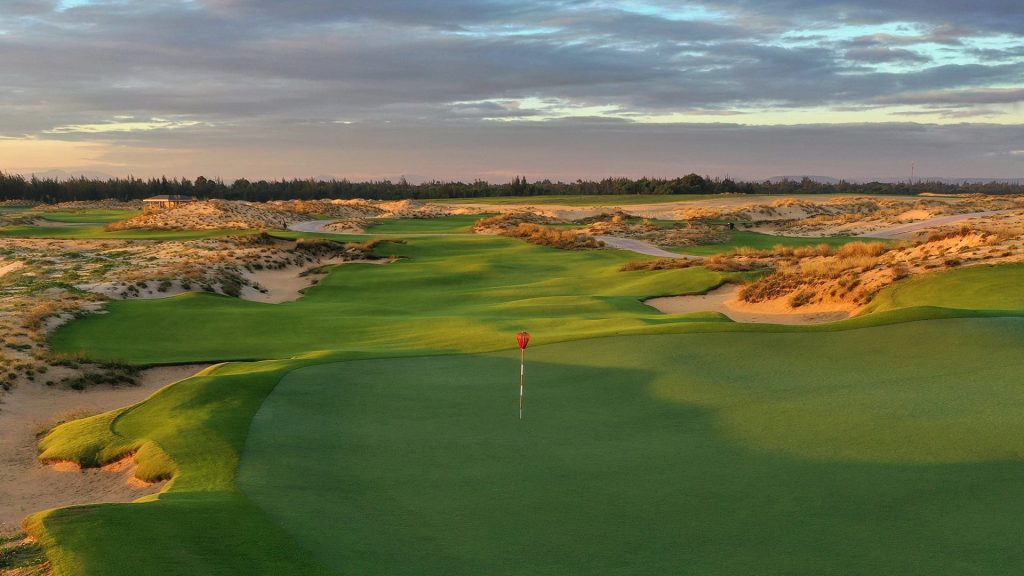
370, 427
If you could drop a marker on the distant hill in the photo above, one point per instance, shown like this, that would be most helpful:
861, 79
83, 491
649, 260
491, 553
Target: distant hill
818, 179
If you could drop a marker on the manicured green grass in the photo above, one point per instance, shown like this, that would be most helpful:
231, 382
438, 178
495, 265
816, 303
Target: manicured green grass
450, 293
91, 216
720, 453
758, 241
703, 454
971, 288
457, 224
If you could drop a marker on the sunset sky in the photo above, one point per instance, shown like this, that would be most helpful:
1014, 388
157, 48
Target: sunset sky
464, 89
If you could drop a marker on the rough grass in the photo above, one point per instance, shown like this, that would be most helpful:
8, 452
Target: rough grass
21, 557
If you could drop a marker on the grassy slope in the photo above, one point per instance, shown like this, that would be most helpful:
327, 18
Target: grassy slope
975, 287
659, 455
199, 429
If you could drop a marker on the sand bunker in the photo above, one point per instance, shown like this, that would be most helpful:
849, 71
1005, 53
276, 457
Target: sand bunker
287, 284
30, 486
725, 299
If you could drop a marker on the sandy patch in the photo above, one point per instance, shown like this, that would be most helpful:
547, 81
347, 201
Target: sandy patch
8, 267
44, 223
287, 284
906, 230
30, 486
914, 215
725, 299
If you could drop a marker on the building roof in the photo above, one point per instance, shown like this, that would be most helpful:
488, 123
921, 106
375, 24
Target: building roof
170, 198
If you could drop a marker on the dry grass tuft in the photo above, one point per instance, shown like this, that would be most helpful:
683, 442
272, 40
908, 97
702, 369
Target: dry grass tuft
554, 238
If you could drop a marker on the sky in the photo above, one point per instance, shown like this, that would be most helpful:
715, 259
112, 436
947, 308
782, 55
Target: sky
492, 89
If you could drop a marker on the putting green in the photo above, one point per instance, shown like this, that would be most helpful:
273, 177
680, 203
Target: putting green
703, 454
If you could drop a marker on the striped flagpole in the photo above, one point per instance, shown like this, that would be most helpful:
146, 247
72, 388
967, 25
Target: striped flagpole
522, 372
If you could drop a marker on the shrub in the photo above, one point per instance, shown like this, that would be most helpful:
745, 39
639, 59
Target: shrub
862, 249
660, 264
801, 298
769, 287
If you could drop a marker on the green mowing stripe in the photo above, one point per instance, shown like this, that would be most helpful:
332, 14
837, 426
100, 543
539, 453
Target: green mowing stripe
758, 241
96, 216
704, 454
458, 224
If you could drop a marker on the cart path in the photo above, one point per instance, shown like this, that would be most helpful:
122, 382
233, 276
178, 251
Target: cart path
641, 247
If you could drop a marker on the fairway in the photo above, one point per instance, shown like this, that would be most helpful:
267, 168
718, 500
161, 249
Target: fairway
703, 454
758, 241
457, 224
446, 293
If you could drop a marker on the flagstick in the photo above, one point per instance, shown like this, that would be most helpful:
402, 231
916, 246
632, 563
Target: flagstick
522, 371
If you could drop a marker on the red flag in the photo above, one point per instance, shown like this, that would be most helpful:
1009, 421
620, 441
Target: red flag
523, 338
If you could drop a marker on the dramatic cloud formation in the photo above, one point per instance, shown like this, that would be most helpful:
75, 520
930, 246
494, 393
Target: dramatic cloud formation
489, 89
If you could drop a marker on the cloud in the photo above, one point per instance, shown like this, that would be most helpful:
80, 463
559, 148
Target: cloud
210, 68
958, 97
122, 124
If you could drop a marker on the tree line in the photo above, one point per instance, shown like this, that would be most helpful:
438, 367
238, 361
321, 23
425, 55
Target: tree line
16, 187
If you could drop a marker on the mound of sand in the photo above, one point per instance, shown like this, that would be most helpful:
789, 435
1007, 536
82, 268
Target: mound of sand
726, 300
212, 215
